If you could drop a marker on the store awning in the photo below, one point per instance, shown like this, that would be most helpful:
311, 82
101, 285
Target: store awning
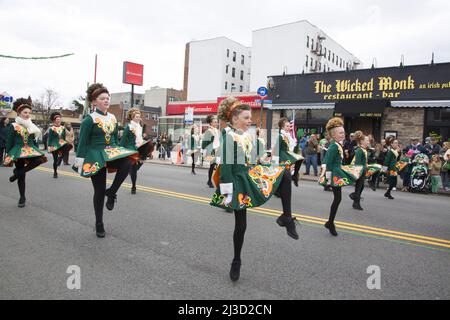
421, 104
361, 108
302, 106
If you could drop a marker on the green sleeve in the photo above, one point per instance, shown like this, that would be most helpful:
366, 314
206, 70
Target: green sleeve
125, 135
85, 134
207, 139
226, 164
10, 139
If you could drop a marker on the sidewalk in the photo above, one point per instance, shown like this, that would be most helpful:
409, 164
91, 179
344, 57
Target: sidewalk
309, 177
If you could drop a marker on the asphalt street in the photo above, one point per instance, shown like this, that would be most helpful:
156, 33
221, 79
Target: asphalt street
166, 242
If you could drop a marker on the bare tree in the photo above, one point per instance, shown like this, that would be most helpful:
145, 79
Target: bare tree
47, 101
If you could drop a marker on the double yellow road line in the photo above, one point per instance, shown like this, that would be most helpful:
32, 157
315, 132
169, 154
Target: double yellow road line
401, 236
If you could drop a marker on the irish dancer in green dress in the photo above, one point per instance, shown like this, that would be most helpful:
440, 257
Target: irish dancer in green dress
57, 144
21, 147
334, 173
98, 151
193, 146
241, 183
210, 143
285, 148
132, 139
390, 164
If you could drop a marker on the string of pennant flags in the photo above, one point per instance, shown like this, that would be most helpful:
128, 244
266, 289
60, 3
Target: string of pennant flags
36, 58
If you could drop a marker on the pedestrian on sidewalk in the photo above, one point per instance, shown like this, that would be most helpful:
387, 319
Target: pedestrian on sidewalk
445, 172
311, 154
435, 172
22, 149
244, 184
98, 152
58, 146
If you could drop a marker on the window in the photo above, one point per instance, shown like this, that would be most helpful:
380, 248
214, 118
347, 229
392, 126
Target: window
233, 87
307, 59
307, 41
242, 74
329, 55
226, 85
337, 60
241, 88
325, 52
311, 62
312, 44
233, 72
234, 56
320, 66
226, 68
228, 53
242, 59
333, 58
147, 116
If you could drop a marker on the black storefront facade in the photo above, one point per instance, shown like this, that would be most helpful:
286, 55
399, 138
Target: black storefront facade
407, 101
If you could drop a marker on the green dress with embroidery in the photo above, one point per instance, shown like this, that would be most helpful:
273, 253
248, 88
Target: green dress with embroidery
56, 138
286, 156
128, 140
21, 145
390, 161
208, 144
340, 175
252, 185
98, 144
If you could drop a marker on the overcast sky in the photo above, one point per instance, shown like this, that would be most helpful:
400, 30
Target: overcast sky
155, 33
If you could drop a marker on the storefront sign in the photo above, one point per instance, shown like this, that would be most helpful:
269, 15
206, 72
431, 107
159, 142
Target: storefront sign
199, 108
133, 73
422, 82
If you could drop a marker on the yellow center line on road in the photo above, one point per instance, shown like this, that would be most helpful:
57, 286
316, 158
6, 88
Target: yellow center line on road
275, 213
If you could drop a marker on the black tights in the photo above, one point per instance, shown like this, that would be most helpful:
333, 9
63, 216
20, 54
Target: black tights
143, 152
212, 167
392, 184
298, 164
21, 171
99, 183
337, 193
359, 187
59, 155
193, 162
240, 226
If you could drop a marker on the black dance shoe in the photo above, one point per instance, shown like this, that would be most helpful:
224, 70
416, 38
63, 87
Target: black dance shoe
388, 195
352, 196
133, 190
193, 172
357, 206
235, 270
289, 223
21, 203
295, 179
15, 175
100, 230
111, 200
55, 175
330, 226
372, 186
210, 184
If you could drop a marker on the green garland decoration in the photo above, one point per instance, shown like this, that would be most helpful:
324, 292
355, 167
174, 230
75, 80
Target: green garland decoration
36, 58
